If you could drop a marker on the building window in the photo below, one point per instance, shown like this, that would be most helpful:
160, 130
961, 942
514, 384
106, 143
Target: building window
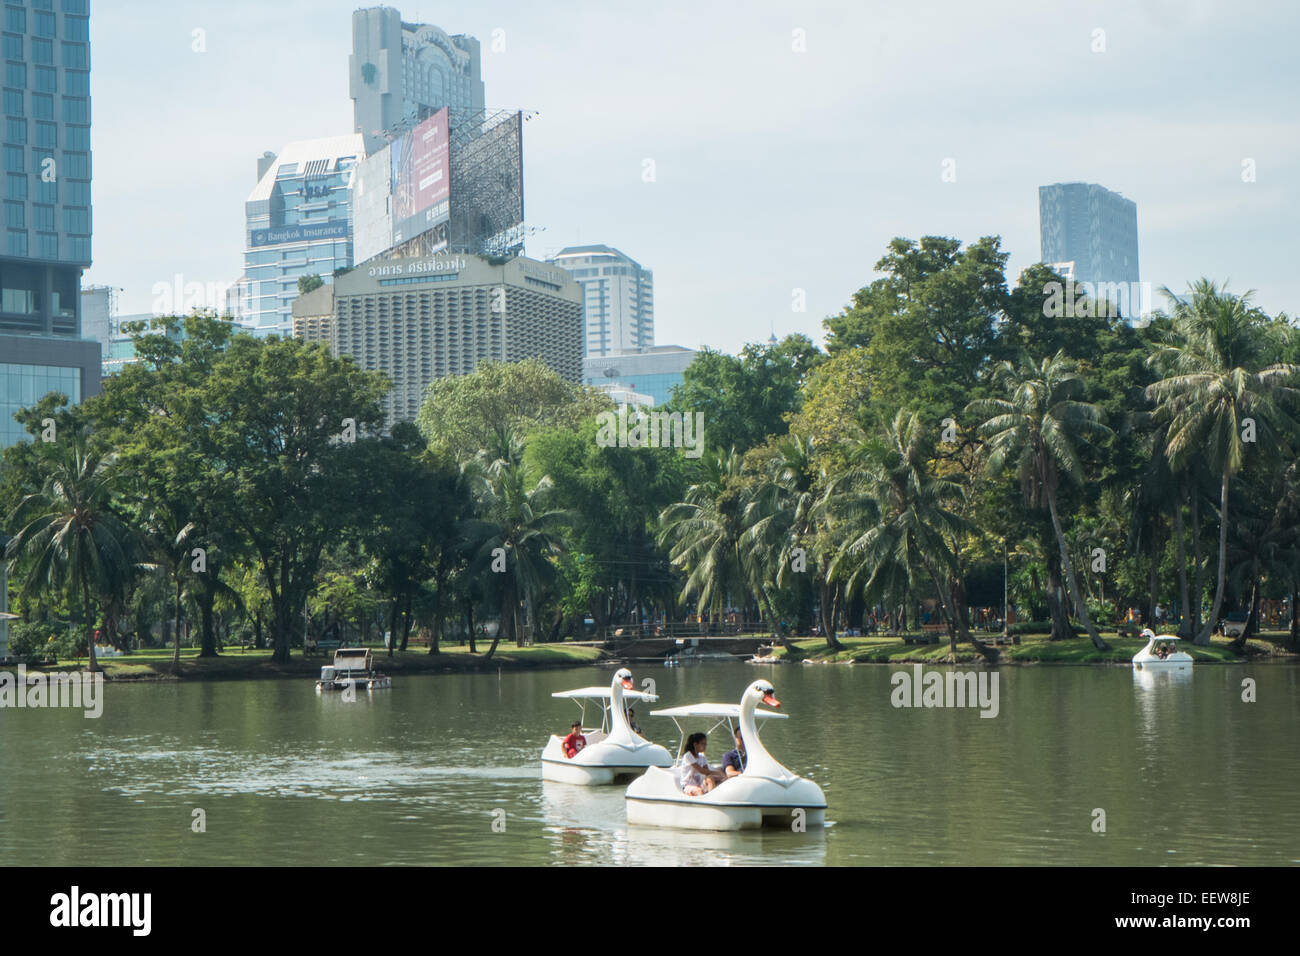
77, 165
15, 159
47, 191
76, 110
76, 28
42, 106
76, 56
47, 135
47, 79
76, 220
16, 131
77, 194
75, 6
43, 218
76, 137
16, 19
79, 248
15, 186
47, 245
12, 47
17, 243
16, 75
13, 102
44, 25
15, 215
43, 51
77, 82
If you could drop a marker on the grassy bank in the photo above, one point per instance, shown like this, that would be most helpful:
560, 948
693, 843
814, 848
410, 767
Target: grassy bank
236, 664
1033, 649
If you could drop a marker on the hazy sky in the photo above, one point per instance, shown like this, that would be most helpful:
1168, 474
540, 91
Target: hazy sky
775, 169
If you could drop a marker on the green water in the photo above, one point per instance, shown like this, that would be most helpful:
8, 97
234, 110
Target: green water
1185, 771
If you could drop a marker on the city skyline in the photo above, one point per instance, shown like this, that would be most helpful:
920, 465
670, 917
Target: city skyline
730, 124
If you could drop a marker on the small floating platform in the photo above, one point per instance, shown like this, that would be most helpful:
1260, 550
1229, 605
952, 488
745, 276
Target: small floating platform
353, 669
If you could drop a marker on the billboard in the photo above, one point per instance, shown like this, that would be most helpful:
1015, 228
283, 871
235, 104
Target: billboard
309, 232
421, 178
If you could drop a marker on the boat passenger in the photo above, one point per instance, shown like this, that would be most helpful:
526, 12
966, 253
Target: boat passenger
631, 722
695, 776
733, 761
575, 741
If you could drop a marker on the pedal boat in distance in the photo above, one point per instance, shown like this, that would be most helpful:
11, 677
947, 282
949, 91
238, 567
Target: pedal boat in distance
1148, 659
613, 752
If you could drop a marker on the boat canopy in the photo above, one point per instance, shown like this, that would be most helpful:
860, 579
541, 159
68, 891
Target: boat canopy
731, 711
603, 692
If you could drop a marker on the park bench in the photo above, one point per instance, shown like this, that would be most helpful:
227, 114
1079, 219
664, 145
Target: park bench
930, 634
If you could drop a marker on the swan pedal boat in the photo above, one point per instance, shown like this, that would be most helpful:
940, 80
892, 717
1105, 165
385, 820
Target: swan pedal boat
353, 669
1148, 659
613, 751
763, 794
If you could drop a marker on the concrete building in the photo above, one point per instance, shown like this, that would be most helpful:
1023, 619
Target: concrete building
653, 371
1092, 228
399, 73
298, 221
421, 319
46, 244
617, 298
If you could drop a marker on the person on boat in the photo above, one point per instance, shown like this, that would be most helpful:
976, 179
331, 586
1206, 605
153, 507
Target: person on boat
631, 722
575, 741
695, 776
733, 761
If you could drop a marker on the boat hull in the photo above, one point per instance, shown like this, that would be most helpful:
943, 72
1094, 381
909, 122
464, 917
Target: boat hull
602, 763
741, 803
358, 683
1173, 662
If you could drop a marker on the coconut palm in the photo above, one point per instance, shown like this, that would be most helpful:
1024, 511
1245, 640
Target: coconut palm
1220, 392
512, 515
704, 532
70, 535
906, 536
1035, 430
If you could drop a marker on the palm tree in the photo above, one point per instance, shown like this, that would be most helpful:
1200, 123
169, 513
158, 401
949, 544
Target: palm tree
169, 543
1217, 376
71, 536
1035, 430
705, 530
513, 517
906, 535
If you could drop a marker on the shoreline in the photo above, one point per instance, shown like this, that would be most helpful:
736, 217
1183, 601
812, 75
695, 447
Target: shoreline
231, 665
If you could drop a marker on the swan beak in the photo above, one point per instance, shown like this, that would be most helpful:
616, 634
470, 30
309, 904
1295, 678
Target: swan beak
628, 685
771, 701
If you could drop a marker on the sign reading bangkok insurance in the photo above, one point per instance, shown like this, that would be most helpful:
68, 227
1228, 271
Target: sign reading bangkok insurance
333, 229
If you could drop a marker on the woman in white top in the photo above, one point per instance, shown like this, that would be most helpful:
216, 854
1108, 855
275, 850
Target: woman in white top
694, 774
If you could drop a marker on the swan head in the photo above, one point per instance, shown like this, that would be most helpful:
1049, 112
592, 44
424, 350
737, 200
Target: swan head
763, 691
625, 676
1148, 634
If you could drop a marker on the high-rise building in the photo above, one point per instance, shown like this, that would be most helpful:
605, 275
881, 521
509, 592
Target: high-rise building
1091, 227
298, 222
418, 320
400, 73
653, 371
617, 298
46, 242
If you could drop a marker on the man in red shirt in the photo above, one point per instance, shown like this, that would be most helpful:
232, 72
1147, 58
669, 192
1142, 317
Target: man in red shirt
575, 741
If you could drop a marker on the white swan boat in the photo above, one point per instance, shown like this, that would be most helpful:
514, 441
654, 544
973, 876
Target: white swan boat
613, 750
764, 793
1148, 659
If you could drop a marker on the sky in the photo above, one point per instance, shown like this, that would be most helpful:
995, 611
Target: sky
788, 142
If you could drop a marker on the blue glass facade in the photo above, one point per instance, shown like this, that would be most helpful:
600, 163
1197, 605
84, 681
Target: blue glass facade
22, 386
299, 222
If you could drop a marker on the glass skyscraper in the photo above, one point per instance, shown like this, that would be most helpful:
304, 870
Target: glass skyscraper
400, 73
617, 299
298, 222
47, 220
1093, 228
